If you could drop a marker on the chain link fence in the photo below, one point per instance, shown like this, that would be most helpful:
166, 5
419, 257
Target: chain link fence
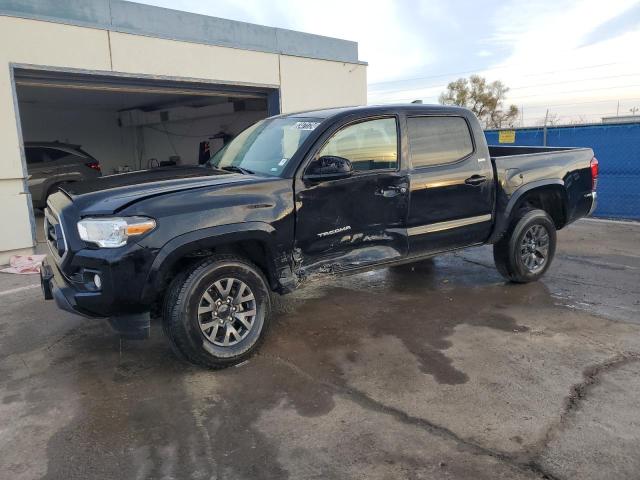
617, 147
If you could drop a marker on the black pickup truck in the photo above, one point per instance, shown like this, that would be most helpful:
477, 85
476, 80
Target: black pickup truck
297, 197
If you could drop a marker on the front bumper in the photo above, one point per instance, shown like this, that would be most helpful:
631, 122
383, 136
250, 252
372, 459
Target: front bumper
135, 326
67, 297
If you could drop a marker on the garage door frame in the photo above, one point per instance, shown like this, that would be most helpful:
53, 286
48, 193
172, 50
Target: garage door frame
61, 77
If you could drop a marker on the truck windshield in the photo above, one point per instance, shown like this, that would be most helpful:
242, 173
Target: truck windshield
265, 147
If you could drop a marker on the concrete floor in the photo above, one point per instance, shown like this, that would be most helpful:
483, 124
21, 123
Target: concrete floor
443, 371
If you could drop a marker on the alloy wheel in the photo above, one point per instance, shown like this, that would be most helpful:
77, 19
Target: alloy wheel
534, 248
227, 312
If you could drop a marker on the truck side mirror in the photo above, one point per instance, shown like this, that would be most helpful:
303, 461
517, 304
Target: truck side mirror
328, 167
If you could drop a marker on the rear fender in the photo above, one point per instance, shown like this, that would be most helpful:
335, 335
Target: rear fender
506, 205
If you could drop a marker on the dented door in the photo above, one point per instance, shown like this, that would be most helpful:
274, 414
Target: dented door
360, 220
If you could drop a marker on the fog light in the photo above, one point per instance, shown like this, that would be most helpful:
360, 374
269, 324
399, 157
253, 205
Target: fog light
97, 281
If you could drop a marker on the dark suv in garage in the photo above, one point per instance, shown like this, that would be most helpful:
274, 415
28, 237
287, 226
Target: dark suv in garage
51, 164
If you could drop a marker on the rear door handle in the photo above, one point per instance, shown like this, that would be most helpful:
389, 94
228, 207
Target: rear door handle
475, 180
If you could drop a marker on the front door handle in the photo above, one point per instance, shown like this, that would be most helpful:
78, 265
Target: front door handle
475, 180
393, 190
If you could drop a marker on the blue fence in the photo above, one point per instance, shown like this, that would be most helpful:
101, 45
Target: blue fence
617, 147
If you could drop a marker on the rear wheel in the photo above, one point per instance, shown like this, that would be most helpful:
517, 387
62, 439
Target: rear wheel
527, 249
217, 314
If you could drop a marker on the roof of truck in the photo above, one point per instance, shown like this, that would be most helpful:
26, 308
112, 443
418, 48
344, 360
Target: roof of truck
378, 109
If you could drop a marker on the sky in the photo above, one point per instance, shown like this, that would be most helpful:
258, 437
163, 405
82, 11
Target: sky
578, 59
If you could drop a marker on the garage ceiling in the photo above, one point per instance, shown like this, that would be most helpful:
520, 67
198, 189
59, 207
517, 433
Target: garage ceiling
123, 92
110, 100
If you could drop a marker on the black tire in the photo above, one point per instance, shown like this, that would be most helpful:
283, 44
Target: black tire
170, 299
509, 251
185, 296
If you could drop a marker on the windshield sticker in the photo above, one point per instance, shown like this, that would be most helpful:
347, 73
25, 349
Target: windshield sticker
306, 125
282, 162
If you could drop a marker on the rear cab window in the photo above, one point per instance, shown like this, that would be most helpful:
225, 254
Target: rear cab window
438, 140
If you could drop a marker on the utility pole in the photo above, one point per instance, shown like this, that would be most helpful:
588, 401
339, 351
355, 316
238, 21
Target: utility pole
634, 110
544, 129
618, 109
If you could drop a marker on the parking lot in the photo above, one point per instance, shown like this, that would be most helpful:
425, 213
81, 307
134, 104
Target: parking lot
437, 371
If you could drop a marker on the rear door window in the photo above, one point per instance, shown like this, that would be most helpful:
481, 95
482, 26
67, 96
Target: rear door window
438, 140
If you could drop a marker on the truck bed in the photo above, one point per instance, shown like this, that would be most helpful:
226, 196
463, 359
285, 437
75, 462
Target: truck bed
519, 169
523, 165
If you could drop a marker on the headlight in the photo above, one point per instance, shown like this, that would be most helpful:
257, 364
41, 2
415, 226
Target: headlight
113, 232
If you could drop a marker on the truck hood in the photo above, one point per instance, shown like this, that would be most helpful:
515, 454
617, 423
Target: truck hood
108, 194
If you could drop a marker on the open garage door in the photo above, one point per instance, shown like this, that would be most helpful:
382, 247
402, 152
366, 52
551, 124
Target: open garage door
75, 125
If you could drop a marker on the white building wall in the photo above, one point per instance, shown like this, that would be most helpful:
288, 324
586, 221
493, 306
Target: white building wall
157, 56
37, 43
311, 84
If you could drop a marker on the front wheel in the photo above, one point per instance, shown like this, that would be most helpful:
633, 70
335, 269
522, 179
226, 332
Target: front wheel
526, 250
217, 314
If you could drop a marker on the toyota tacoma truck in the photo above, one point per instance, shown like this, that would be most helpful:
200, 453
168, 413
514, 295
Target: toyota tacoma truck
297, 197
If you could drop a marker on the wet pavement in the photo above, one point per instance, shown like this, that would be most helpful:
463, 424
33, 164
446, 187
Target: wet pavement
440, 370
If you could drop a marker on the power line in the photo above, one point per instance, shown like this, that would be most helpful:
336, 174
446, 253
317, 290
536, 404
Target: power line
528, 107
543, 105
574, 91
424, 87
574, 81
517, 99
496, 68
603, 114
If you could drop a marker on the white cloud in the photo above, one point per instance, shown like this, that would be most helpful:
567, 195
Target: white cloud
374, 25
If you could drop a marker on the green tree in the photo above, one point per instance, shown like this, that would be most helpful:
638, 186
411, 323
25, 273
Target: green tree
485, 99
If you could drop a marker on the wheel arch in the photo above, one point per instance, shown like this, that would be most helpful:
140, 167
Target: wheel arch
253, 240
54, 184
548, 195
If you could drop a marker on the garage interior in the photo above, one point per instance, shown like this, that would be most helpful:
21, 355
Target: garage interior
130, 124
